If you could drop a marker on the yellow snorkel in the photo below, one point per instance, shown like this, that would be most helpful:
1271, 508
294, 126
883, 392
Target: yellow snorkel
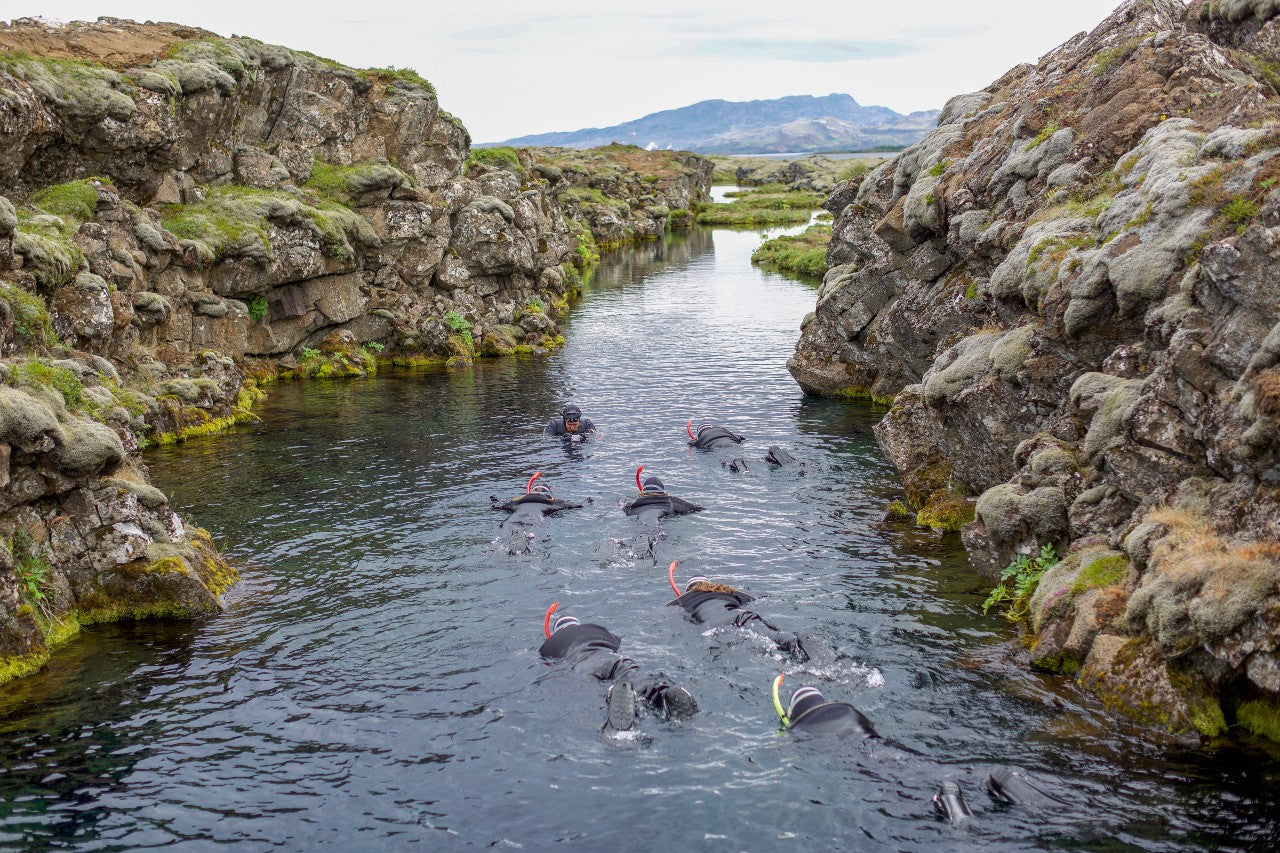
777, 703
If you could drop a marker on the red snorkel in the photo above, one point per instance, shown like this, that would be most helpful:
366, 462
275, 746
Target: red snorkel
671, 578
529, 485
546, 620
638, 486
689, 429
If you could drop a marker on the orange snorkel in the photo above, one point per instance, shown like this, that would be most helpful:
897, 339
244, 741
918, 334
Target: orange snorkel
529, 485
638, 486
689, 429
546, 620
671, 578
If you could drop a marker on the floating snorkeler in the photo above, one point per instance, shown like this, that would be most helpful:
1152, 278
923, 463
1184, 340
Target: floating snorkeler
593, 650
654, 502
711, 437
529, 510
570, 425
810, 713
716, 604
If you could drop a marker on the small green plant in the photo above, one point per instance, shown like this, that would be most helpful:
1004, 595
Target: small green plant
1018, 582
1267, 183
308, 353
456, 322
502, 157
1048, 130
257, 308
535, 305
938, 168
32, 569
374, 346
1239, 210
32, 374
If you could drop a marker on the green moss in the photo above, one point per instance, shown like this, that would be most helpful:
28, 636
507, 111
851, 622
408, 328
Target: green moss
938, 168
76, 200
1043, 136
47, 245
857, 392
803, 254
80, 93
1267, 70
680, 218
971, 290
32, 326
1260, 717
945, 511
502, 157
36, 373
1101, 572
899, 511
1055, 249
341, 184
233, 221
762, 206
21, 666
1239, 211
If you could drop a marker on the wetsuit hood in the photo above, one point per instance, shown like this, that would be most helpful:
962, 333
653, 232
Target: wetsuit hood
652, 486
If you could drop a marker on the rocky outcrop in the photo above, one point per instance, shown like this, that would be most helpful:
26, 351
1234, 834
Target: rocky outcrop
624, 194
184, 217
1066, 290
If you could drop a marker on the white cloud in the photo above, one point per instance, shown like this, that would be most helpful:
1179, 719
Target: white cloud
508, 68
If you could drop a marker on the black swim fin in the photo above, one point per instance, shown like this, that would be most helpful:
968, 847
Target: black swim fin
1011, 786
622, 708
736, 465
949, 802
778, 456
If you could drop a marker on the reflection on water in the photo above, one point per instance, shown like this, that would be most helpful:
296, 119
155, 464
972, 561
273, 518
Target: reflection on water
375, 683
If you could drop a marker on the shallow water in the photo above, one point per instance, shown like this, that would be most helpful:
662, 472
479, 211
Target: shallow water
374, 683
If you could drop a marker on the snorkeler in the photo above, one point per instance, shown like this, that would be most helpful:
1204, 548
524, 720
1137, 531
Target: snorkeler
534, 505
570, 424
654, 502
526, 511
717, 604
593, 650
711, 437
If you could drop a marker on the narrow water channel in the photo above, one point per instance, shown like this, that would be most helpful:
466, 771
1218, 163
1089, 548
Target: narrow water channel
375, 684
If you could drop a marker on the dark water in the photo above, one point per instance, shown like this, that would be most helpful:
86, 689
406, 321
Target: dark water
374, 683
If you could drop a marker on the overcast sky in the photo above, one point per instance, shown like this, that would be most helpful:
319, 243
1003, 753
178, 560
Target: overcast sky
508, 69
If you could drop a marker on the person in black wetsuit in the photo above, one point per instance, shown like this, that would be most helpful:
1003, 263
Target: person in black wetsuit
571, 424
654, 502
526, 511
710, 437
716, 604
593, 650
809, 712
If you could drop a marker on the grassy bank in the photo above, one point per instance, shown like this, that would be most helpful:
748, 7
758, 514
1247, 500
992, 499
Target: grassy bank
768, 205
801, 254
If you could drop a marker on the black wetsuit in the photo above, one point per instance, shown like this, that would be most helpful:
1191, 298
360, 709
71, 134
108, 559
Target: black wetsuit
716, 608
816, 715
593, 650
556, 428
653, 506
531, 509
712, 437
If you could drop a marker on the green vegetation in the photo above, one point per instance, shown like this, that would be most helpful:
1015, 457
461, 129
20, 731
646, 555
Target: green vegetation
81, 94
941, 166
47, 226
763, 206
803, 254
32, 326
336, 363
502, 157
38, 374
342, 184
233, 221
75, 200
257, 306
1238, 211
1055, 249
945, 511
32, 569
455, 322
1101, 572
400, 78
1267, 70
1112, 55
1018, 583
1040, 138
858, 169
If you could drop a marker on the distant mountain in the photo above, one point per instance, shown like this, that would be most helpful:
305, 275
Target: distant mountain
795, 123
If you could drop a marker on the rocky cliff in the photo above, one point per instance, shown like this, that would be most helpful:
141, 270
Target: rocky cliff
185, 217
1068, 292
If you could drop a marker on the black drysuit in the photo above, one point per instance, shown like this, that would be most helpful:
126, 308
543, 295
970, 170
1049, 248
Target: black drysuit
593, 650
713, 437
556, 428
716, 608
816, 715
651, 507
532, 508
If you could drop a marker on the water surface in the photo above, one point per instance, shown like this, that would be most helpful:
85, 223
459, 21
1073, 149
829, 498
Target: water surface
374, 683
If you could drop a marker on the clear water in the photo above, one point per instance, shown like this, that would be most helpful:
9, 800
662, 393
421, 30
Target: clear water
374, 682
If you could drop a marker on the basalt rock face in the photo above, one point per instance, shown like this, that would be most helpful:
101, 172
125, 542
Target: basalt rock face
625, 194
182, 213
1068, 290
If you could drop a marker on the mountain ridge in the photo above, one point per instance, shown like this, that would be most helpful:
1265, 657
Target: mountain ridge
777, 125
